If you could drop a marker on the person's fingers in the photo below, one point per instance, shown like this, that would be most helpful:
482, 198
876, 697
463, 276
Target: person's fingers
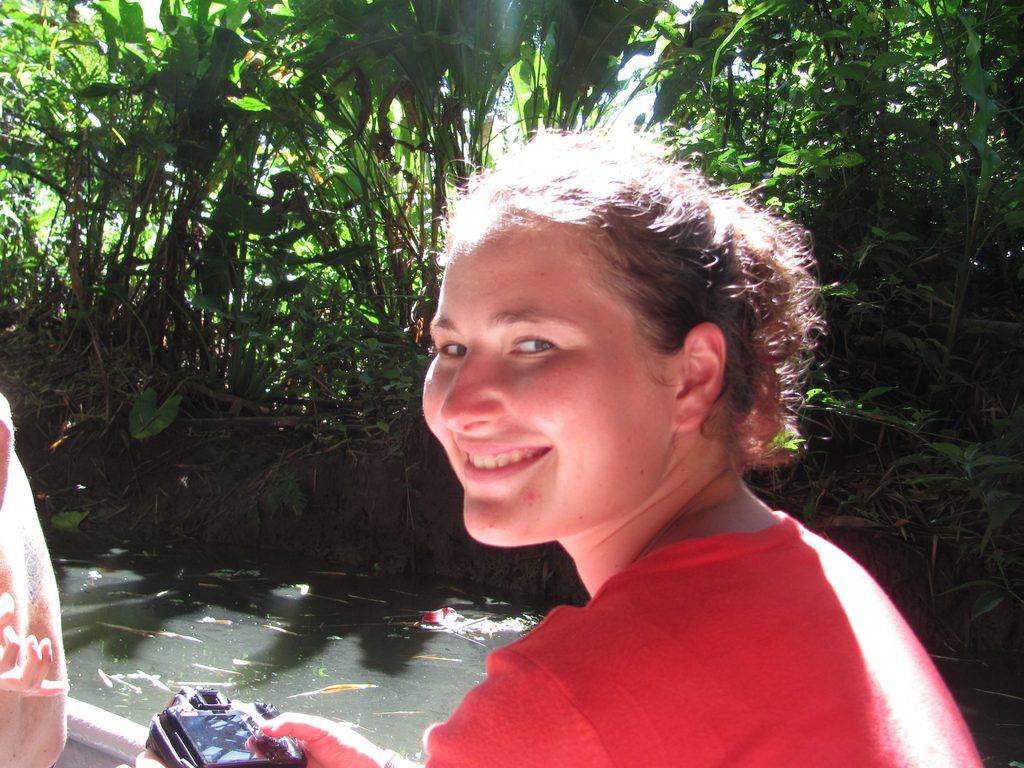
30, 663
143, 761
45, 662
298, 726
11, 650
25, 664
38, 656
147, 759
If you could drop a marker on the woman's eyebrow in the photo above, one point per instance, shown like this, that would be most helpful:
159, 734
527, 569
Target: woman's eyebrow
531, 316
442, 322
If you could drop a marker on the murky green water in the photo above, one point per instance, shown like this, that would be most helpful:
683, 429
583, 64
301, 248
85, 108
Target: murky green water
270, 629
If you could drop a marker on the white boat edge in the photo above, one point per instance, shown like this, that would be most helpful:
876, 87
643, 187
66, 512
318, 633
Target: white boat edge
99, 739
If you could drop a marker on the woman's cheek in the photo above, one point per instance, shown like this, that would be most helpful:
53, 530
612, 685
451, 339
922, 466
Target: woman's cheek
433, 397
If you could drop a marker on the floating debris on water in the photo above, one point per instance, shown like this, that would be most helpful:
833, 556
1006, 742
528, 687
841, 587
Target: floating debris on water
150, 632
446, 617
402, 712
153, 680
332, 599
369, 599
282, 630
336, 689
208, 668
122, 679
449, 619
230, 574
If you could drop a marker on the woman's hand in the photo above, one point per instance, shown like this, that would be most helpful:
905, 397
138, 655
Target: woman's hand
329, 744
24, 663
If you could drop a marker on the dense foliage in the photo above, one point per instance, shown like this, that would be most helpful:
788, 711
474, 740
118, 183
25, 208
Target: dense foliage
233, 206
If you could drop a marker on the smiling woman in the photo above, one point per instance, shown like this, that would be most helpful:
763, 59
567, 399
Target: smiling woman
543, 394
616, 344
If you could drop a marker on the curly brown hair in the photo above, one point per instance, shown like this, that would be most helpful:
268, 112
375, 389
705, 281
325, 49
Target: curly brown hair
680, 252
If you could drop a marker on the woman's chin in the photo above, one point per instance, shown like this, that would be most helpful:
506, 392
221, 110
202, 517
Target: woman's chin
497, 532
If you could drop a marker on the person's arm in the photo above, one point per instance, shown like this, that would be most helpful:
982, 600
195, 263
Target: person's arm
32, 726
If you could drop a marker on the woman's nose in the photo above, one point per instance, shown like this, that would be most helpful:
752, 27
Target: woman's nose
473, 394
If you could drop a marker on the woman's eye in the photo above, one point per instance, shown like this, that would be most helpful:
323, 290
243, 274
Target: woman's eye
449, 350
533, 346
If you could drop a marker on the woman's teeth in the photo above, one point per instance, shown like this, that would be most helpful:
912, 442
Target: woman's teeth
499, 460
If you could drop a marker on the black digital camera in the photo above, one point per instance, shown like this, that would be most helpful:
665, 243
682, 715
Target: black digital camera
201, 727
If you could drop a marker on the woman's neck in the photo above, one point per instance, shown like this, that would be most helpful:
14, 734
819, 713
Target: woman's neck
722, 504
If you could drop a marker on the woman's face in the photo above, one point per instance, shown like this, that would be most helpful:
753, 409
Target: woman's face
543, 395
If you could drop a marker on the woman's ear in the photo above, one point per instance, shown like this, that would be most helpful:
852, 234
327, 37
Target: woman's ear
701, 375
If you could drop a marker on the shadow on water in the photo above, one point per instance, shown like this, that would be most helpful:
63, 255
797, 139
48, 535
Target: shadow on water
269, 628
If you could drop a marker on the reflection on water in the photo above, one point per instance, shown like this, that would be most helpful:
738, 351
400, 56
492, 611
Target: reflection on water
273, 630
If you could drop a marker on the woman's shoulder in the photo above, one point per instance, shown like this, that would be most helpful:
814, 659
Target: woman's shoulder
730, 604
781, 632
685, 596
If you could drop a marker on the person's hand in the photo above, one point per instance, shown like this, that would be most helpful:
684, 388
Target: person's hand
24, 664
329, 744
147, 759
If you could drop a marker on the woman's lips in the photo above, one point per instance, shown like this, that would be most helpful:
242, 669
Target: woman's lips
493, 465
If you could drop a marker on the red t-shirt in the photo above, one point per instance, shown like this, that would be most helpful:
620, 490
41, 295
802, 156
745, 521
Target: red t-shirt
754, 650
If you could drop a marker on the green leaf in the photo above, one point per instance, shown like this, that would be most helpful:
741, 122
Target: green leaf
250, 104
99, 90
855, 71
133, 25
986, 602
147, 420
887, 59
208, 303
948, 450
1001, 506
68, 520
841, 290
111, 9
847, 159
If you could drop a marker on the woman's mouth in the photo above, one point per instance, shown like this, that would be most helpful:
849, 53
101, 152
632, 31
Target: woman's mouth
499, 460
